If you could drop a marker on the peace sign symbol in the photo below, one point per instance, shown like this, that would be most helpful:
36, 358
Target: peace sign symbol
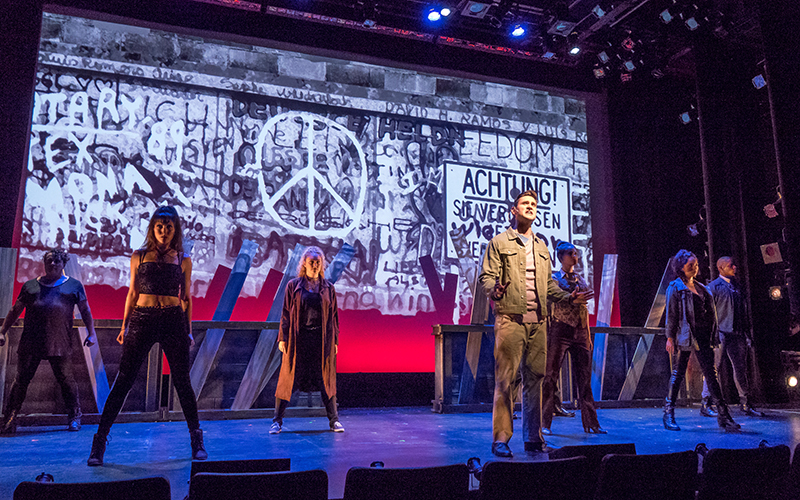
313, 174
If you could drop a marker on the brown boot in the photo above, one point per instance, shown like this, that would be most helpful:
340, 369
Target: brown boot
9, 426
198, 450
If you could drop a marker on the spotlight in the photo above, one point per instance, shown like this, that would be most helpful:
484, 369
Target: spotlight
598, 11
599, 73
434, 15
759, 82
666, 16
629, 66
603, 56
776, 293
628, 44
517, 30
686, 118
791, 381
445, 12
572, 43
692, 23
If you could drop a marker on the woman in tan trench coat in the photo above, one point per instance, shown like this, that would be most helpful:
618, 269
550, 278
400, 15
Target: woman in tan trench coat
309, 337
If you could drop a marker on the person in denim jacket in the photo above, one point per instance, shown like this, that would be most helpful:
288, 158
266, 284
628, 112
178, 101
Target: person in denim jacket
691, 327
517, 276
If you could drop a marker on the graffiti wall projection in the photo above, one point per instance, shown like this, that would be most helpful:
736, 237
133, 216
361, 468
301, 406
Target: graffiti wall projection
280, 161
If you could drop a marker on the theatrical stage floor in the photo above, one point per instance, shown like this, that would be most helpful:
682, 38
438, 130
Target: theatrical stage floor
400, 437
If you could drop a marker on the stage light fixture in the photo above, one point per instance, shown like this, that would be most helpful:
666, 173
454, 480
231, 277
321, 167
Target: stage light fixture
759, 82
628, 44
369, 23
629, 66
791, 381
625, 77
434, 15
598, 11
572, 43
657, 73
599, 73
445, 11
775, 292
665, 16
603, 56
548, 54
686, 118
518, 30
692, 23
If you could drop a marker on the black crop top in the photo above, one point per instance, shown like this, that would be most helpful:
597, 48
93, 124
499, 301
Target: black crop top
160, 278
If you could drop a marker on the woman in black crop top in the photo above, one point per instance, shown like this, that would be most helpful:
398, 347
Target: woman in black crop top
158, 308
691, 327
309, 338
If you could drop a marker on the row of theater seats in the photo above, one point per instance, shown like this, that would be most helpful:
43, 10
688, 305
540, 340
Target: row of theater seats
600, 472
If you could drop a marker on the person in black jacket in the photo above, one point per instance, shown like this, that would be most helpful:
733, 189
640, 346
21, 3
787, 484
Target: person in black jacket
692, 327
735, 334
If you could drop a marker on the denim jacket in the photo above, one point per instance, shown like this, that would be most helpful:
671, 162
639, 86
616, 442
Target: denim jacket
681, 318
505, 259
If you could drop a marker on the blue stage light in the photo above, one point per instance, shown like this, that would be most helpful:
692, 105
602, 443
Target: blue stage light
517, 30
666, 16
692, 23
434, 15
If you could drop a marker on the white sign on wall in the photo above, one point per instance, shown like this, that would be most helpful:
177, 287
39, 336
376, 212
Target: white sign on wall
478, 200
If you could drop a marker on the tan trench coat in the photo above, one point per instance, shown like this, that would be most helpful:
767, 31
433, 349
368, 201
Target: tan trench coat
290, 319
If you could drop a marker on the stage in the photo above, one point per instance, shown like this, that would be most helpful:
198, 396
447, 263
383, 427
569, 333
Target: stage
400, 437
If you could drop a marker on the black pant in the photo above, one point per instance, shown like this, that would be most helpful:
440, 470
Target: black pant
308, 373
26, 369
168, 327
329, 403
680, 361
734, 345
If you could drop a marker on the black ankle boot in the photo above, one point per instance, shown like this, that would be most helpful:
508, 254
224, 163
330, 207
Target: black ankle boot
98, 450
74, 424
706, 409
724, 418
198, 450
9, 424
669, 419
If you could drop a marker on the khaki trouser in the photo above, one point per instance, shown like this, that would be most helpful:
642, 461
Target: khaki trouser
518, 347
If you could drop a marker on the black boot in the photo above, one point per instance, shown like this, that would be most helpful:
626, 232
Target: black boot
198, 450
74, 424
9, 424
98, 450
669, 419
706, 409
724, 418
748, 409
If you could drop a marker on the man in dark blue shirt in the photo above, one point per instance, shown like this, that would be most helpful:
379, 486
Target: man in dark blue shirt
734, 333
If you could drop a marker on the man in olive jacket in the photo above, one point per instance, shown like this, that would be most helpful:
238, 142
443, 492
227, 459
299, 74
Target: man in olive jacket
517, 276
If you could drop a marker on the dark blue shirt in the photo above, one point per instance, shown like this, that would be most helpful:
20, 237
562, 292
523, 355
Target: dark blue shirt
48, 316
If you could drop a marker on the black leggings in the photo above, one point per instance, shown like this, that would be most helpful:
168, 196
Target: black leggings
26, 369
147, 326
680, 361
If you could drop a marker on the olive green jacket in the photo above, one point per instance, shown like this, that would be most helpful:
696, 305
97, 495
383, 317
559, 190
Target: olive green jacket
505, 258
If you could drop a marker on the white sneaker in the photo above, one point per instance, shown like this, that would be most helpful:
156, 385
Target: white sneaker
275, 428
337, 427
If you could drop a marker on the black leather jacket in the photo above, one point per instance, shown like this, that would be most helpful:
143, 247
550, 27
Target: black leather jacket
681, 324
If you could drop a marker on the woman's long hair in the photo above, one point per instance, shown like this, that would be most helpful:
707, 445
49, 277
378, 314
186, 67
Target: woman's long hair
311, 253
165, 213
